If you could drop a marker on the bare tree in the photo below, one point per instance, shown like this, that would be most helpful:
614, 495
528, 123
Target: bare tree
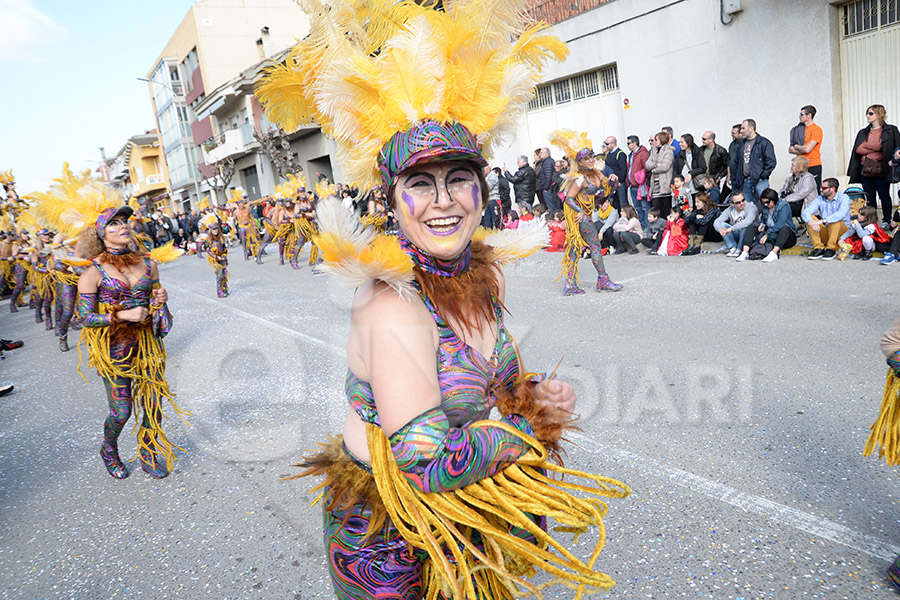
275, 144
222, 174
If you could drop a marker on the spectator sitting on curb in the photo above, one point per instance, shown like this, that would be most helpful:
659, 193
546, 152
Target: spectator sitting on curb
711, 187
827, 218
893, 253
700, 224
776, 229
800, 188
865, 236
605, 217
734, 223
655, 227
675, 236
627, 231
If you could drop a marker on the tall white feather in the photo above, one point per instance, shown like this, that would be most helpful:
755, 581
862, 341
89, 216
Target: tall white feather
511, 245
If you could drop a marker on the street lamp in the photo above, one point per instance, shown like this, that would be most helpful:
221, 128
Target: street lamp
174, 95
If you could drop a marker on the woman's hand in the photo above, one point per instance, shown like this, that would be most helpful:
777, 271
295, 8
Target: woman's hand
579, 217
133, 315
557, 394
160, 296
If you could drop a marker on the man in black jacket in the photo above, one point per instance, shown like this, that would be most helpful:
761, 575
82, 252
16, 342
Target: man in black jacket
523, 181
617, 160
545, 182
752, 162
715, 157
503, 188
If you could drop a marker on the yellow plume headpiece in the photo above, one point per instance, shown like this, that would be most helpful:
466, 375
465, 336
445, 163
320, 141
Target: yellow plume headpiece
6, 177
237, 194
204, 203
72, 202
370, 70
208, 220
572, 143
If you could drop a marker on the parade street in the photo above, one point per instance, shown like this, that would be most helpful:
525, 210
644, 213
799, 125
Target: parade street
733, 398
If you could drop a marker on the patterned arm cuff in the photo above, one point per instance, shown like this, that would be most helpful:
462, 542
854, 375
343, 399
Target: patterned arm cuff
162, 320
436, 457
893, 362
86, 312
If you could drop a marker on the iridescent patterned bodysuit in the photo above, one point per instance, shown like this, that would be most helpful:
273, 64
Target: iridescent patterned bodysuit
66, 277
579, 235
132, 363
440, 450
44, 289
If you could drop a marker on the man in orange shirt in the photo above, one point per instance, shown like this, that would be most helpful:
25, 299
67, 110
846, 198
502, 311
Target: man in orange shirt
811, 147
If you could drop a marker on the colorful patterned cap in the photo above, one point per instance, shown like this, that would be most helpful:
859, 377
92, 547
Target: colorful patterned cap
108, 215
427, 141
584, 154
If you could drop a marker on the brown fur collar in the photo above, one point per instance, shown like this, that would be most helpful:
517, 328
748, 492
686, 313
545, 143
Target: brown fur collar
466, 299
121, 261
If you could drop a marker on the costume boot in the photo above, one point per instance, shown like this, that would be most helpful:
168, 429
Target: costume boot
150, 461
605, 284
64, 342
110, 456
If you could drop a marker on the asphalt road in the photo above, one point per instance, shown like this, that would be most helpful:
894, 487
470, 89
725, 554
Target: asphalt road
735, 400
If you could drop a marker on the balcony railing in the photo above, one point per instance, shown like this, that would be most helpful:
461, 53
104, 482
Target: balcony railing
154, 179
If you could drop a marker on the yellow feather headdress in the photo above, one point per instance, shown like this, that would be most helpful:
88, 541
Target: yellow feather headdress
204, 203
236, 195
570, 142
370, 69
208, 220
6, 177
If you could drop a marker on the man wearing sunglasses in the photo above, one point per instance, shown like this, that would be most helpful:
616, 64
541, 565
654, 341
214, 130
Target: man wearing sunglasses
827, 218
734, 223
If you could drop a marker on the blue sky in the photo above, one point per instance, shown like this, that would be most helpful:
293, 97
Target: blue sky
69, 71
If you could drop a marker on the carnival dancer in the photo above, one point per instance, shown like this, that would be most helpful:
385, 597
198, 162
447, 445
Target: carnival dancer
582, 186
886, 430
216, 252
124, 315
423, 497
67, 268
20, 254
42, 267
376, 215
246, 225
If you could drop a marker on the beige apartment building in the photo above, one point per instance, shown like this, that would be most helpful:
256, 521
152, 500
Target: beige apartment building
216, 40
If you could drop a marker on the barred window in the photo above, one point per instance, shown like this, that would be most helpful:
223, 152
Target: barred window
561, 92
576, 87
867, 15
543, 96
610, 76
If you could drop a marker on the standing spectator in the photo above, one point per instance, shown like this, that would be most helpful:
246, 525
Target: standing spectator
523, 181
827, 218
752, 163
676, 146
700, 223
776, 230
715, 157
874, 146
545, 181
637, 158
193, 222
559, 171
732, 153
492, 211
800, 188
689, 164
617, 161
503, 187
734, 223
806, 141
660, 165
163, 227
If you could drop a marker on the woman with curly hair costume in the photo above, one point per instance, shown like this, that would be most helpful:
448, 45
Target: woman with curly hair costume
582, 187
424, 497
216, 252
124, 315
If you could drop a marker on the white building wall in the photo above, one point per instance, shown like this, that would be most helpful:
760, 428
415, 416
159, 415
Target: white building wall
679, 65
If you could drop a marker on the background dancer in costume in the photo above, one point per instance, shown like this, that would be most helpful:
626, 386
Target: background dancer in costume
429, 355
20, 255
216, 253
271, 224
66, 271
42, 267
124, 314
581, 191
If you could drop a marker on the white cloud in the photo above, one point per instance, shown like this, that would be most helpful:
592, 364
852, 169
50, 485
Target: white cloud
27, 32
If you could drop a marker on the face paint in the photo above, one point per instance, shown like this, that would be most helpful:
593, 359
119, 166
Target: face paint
476, 196
409, 203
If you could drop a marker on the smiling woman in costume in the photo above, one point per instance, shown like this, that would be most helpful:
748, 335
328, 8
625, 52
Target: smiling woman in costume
582, 188
424, 497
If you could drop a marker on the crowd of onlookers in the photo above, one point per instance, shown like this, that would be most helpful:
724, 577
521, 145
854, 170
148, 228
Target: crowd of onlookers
677, 194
